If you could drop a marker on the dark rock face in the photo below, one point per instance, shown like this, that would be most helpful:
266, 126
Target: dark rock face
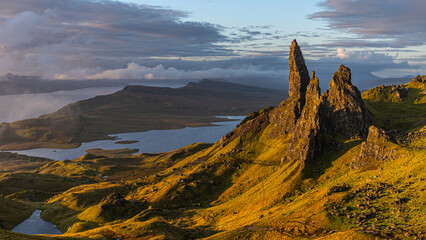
376, 146
346, 110
299, 76
375, 150
285, 116
312, 120
420, 79
315, 120
400, 92
308, 135
114, 199
255, 122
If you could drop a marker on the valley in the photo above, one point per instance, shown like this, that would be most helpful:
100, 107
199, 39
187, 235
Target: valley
336, 164
136, 109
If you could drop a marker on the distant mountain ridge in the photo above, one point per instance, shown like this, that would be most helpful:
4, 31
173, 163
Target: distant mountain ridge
11, 84
336, 165
137, 108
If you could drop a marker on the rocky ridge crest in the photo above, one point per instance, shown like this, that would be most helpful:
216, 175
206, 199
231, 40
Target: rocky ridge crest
314, 120
338, 112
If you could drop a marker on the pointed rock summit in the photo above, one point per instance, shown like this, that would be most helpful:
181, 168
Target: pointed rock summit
378, 148
308, 121
285, 116
347, 111
316, 120
299, 76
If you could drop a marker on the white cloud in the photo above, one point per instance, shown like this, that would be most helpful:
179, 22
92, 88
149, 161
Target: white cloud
139, 72
342, 53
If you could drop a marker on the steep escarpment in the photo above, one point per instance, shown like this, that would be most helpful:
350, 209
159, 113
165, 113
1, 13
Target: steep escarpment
378, 149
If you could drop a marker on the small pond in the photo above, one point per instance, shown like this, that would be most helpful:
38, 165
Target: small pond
35, 225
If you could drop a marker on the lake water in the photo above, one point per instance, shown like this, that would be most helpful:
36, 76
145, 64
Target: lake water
153, 141
36, 225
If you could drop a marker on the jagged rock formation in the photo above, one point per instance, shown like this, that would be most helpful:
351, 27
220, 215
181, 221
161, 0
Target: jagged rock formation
339, 111
420, 79
347, 112
285, 116
299, 76
308, 135
376, 149
310, 120
400, 92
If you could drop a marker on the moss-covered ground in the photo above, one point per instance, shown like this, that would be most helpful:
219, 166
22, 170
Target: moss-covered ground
239, 187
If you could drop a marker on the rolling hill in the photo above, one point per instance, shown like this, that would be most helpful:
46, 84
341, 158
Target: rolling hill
331, 165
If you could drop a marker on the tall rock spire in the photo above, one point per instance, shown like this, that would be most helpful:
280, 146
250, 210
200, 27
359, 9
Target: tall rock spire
285, 116
299, 76
347, 112
308, 135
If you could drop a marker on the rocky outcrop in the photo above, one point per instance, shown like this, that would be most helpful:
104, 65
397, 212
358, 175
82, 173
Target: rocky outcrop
375, 150
346, 110
316, 120
310, 120
308, 135
419, 79
299, 76
285, 116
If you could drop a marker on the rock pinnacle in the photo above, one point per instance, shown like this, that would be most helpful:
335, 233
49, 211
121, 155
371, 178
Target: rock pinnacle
299, 76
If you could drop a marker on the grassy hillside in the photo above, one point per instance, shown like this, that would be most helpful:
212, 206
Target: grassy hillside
136, 108
244, 187
227, 192
400, 107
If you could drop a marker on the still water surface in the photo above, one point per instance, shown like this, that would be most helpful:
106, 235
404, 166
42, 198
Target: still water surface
35, 225
153, 141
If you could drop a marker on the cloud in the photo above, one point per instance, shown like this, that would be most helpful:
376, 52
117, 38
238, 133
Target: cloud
46, 37
88, 39
401, 22
342, 53
362, 64
139, 72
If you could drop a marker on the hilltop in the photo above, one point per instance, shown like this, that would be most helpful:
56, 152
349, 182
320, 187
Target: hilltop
331, 165
11, 84
135, 109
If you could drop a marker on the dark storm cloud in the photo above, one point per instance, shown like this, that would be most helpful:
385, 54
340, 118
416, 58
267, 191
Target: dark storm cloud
117, 27
403, 22
34, 32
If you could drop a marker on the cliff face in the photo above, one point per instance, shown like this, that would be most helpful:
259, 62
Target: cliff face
314, 119
346, 109
285, 116
377, 149
308, 134
308, 121
299, 76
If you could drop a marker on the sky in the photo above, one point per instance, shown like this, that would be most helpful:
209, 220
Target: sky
247, 40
